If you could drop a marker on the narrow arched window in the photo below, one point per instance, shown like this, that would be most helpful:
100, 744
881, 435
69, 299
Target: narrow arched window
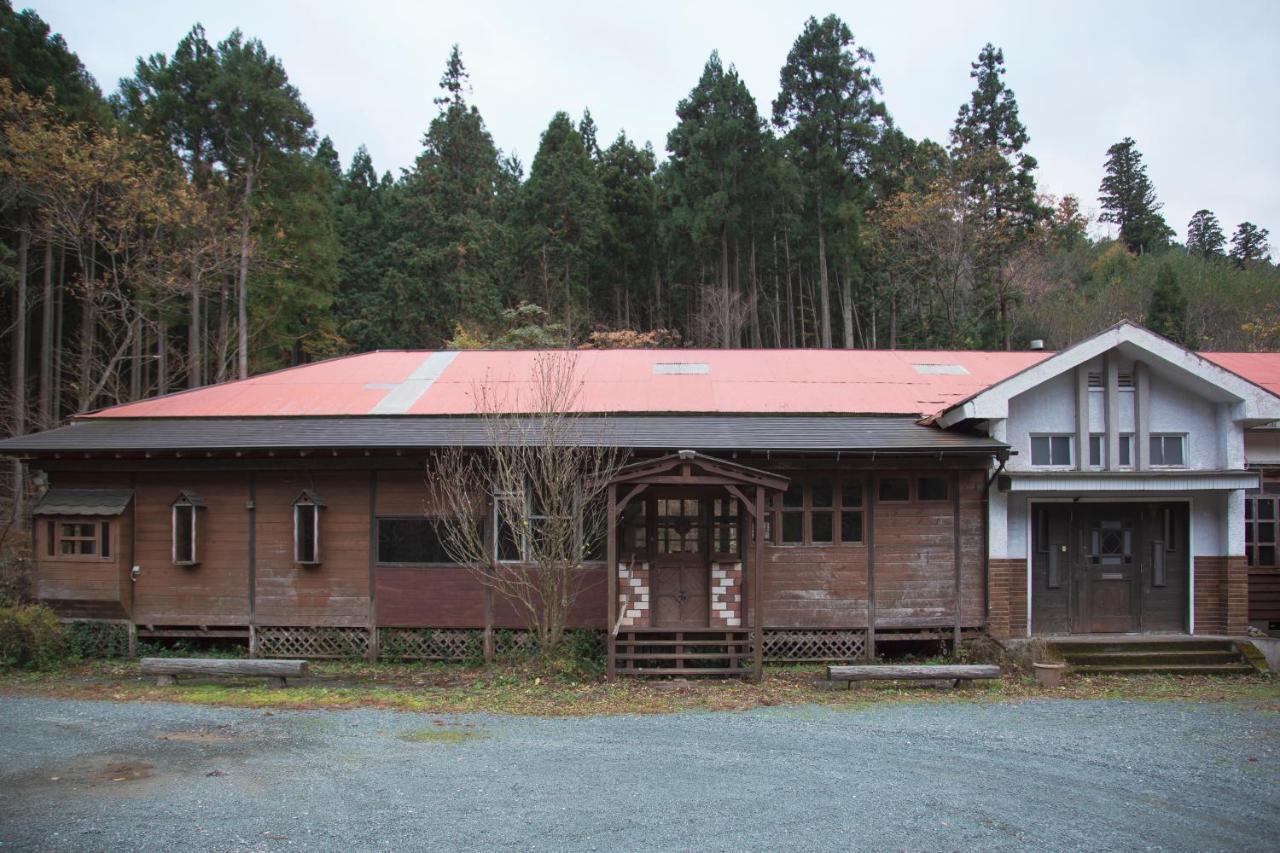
306, 528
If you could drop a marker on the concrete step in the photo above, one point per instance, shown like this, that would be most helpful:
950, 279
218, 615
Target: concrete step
1141, 657
1070, 647
1168, 669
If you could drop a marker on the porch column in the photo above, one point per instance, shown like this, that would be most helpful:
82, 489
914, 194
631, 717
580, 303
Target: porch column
757, 600
611, 554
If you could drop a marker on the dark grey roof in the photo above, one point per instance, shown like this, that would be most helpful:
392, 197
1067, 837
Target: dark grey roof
671, 432
83, 502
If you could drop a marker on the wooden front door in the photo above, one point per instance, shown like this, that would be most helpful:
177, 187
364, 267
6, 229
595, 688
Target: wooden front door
681, 581
1109, 570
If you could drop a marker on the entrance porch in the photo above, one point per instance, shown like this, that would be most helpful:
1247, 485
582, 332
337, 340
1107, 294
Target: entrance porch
685, 552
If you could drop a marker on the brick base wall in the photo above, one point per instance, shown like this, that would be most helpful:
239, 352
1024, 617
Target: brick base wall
1007, 597
726, 595
1222, 595
633, 595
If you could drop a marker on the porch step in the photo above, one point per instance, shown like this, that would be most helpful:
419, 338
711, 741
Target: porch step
689, 672
1178, 656
685, 656
1167, 669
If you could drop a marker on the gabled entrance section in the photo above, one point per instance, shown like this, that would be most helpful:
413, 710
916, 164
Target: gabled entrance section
684, 580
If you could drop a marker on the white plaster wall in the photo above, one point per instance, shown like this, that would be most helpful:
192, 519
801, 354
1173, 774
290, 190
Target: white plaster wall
1177, 410
1047, 408
1017, 545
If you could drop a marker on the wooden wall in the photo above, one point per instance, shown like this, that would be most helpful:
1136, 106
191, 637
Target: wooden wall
914, 549
95, 589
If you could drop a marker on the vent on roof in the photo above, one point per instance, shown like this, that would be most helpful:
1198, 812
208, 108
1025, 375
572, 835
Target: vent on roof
1125, 380
941, 369
681, 367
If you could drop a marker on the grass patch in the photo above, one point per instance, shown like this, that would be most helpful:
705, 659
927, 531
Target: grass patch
524, 690
438, 735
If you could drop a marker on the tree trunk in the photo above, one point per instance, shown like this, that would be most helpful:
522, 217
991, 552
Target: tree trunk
60, 295
224, 333
88, 343
824, 288
791, 297
846, 309
195, 352
893, 317
757, 339
135, 360
162, 355
242, 283
20, 369
47, 308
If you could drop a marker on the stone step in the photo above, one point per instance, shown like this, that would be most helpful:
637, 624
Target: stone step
1069, 647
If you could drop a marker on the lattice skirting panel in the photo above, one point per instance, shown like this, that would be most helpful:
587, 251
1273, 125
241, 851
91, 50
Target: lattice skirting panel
296, 642
90, 638
814, 645
455, 644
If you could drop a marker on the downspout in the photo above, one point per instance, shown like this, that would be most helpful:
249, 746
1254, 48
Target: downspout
1001, 457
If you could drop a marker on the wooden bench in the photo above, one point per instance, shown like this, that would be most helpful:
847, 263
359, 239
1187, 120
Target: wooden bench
955, 673
167, 670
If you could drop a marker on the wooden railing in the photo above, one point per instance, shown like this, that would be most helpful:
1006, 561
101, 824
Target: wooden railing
691, 652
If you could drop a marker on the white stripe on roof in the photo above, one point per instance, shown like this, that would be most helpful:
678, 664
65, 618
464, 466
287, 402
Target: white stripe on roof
402, 397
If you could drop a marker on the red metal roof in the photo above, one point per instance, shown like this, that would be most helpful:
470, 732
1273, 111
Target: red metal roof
851, 382
1260, 368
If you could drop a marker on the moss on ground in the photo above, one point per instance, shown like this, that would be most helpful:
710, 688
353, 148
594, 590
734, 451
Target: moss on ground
526, 691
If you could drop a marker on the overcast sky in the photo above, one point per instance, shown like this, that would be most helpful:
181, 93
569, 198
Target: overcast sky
1194, 83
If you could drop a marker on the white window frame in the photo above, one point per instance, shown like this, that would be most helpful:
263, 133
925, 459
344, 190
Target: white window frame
1165, 436
1071, 450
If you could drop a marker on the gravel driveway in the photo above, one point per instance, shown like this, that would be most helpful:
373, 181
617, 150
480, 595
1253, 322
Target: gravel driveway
1051, 774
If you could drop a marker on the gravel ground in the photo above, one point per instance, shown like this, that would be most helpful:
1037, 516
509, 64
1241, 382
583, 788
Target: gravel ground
1050, 774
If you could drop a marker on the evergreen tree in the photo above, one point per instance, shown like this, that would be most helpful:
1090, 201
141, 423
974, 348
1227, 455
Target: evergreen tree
627, 257
827, 105
715, 150
1167, 311
1204, 235
590, 134
987, 147
1249, 245
561, 221
38, 60
362, 222
452, 241
1129, 200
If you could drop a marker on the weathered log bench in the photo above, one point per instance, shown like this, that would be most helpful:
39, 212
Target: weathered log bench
167, 670
955, 673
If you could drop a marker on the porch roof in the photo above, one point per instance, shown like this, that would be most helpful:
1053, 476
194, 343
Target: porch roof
678, 466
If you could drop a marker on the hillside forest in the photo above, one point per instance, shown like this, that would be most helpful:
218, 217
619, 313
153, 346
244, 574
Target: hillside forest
194, 226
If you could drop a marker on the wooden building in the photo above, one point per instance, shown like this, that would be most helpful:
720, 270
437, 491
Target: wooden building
777, 505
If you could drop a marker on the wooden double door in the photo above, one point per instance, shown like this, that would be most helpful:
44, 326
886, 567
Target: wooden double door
1109, 568
680, 577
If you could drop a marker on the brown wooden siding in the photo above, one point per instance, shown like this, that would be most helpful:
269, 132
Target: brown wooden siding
335, 592
1264, 595
452, 597
87, 588
215, 592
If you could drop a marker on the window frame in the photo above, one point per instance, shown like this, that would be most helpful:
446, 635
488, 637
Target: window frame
1049, 437
194, 555
306, 503
1163, 438
102, 532
1253, 522
836, 509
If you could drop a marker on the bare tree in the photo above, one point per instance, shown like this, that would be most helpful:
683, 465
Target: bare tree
527, 513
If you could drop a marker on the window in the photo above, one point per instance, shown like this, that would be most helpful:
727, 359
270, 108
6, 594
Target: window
1126, 450
1050, 450
634, 537
894, 489
508, 513
185, 512
792, 522
1167, 450
820, 510
410, 541
306, 528
851, 510
1095, 451
1262, 527
931, 489
724, 526
78, 539
680, 526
